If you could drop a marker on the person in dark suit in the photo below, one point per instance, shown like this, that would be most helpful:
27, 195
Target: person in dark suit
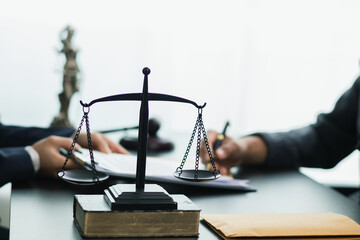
29, 151
323, 144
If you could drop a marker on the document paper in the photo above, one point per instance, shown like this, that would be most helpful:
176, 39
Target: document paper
157, 170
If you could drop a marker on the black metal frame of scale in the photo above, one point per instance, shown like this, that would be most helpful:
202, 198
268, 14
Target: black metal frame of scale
151, 198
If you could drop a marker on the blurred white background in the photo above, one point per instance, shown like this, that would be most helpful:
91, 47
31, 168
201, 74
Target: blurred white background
263, 65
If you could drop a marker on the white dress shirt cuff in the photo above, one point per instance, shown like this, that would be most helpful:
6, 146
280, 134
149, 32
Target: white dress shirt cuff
35, 158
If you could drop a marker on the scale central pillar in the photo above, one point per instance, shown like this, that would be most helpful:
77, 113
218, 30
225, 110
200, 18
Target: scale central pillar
142, 135
142, 197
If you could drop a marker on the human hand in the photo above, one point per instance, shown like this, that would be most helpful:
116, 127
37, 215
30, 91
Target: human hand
233, 152
101, 143
50, 158
228, 155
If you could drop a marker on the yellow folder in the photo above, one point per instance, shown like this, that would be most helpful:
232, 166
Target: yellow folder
283, 226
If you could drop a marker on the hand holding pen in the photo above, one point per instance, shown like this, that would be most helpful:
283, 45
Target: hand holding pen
233, 152
218, 142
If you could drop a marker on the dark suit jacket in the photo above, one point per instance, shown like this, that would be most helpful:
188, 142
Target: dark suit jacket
323, 144
15, 162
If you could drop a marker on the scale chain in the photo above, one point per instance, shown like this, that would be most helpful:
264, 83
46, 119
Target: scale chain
90, 145
198, 148
199, 128
206, 141
74, 142
179, 169
86, 119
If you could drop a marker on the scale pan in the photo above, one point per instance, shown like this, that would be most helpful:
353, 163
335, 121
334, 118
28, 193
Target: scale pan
203, 175
82, 177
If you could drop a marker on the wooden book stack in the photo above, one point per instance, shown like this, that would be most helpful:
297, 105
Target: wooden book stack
94, 218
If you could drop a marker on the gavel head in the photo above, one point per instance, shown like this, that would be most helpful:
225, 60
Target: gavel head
154, 126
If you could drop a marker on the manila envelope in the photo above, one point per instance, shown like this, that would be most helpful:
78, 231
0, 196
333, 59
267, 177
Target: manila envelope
283, 226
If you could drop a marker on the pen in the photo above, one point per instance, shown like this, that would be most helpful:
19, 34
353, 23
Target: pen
219, 139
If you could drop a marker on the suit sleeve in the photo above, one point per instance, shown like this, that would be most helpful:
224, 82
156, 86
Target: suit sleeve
15, 136
15, 165
322, 144
15, 162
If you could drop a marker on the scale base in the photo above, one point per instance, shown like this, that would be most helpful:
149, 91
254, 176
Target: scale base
125, 197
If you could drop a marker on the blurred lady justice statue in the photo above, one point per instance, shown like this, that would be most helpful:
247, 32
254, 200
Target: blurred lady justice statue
70, 78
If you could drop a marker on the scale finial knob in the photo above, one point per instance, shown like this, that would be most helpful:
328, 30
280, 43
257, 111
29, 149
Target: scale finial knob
146, 71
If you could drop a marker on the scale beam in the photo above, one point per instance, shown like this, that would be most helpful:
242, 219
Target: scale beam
138, 97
